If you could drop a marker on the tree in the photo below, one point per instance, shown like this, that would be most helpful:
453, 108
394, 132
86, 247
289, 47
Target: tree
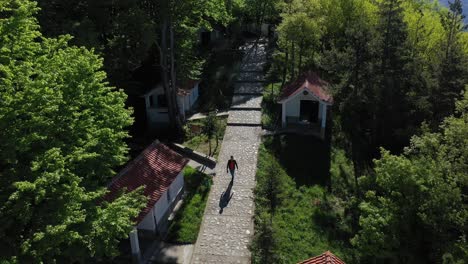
264, 240
62, 131
453, 72
126, 32
414, 209
123, 31
179, 25
299, 35
261, 11
210, 128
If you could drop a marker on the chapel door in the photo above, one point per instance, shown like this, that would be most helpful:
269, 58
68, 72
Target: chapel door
309, 111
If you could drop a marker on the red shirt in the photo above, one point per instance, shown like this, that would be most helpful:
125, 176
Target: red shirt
232, 164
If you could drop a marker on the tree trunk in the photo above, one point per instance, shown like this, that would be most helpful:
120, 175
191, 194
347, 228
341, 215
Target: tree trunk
174, 105
293, 47
168, 70
285, 68
209, 146
301, 50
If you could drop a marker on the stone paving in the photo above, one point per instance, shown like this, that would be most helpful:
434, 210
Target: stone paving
227, 226
249, 88
249, 76
245, 117
247, 101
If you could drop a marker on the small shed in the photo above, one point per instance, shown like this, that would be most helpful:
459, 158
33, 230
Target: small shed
160, 170
306, 103
187, 96
157, 112
325, 258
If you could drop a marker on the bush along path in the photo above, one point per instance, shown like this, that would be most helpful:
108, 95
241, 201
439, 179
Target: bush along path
227, 226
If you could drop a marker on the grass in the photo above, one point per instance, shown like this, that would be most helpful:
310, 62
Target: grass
184, 228
305, 220
197, 140
271, 110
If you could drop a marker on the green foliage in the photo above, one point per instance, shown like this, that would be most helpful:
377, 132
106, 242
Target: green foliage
61, 135
185, 227
196, 134
264, 240
210, 125
342, 174
270, 108
189, 18
390, 63
305, 222
414, 205
260, 11
105, 26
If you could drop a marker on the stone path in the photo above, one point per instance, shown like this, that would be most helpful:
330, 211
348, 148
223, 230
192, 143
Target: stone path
228, 226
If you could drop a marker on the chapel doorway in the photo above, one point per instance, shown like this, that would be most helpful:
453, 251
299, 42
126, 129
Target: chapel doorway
309, 111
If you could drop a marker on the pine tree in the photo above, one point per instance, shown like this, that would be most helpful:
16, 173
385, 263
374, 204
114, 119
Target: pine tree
453, 73
393, 77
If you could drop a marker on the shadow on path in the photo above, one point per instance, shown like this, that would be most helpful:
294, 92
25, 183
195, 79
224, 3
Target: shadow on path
225, 197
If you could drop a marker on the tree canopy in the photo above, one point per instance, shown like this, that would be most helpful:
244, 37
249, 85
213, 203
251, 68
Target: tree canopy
62, 131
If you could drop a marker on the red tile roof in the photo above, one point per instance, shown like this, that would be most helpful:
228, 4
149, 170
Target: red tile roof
310, 81
325, 258
156, 168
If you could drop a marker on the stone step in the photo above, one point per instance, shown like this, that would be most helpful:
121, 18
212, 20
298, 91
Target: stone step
250, 81
258, 94
245, 108
245, 124
237, 117
246, 102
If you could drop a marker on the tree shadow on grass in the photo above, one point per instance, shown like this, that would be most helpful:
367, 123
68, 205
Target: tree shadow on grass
305, 158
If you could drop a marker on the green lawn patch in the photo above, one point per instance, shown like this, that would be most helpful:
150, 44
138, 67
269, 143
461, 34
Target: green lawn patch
184, 228
271, 110
294, 223
198, 141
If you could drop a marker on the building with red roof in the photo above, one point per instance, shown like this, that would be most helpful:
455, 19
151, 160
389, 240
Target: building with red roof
305, 102
325, 258
159, 170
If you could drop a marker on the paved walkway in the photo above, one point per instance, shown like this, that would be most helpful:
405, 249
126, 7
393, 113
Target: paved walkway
228, 226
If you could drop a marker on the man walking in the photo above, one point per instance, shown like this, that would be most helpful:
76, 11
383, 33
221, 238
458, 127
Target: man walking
232, 166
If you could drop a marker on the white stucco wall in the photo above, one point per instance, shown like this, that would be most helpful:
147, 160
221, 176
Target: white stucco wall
163, 203
155, 114
293, 106
177, 186
147, 223
194, 95
186, 102
181, 101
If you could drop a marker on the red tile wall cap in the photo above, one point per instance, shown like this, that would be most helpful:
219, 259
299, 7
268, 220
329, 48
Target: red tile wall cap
325, 258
